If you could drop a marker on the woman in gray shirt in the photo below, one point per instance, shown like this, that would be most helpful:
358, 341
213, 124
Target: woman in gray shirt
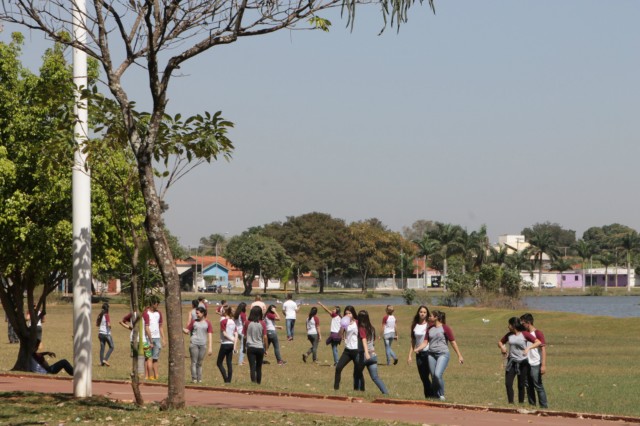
255, 331
201, 331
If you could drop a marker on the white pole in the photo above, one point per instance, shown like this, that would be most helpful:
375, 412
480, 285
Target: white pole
81, 182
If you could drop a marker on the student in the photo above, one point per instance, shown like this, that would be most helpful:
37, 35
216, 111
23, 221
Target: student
258, 302
420, 346
272, 335
313, 334
155, 334
222, 308
516, 356
351, 334
240, 317
104, 334
370, 357
128, 322
39, 363
389, 334
228, 344
255, 331
191, 316
335, 337
440, 335
537, 364
201, 331
290, 310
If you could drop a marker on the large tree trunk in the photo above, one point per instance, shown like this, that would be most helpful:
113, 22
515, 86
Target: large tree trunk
247, 282
171, 281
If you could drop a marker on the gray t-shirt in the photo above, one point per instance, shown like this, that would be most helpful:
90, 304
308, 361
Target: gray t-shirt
439, 338
199, 331
255, 333
517, 344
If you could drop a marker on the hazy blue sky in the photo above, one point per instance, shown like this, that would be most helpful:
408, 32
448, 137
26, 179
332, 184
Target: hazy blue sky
504, 113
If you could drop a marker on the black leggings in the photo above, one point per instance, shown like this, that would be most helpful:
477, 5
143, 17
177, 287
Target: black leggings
256, 356
226, 351
358, 367
423, 370
519, 371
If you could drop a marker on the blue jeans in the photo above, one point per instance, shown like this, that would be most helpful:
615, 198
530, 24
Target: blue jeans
105, 339
437, 364
422, 362
272, 339
388, 340
291, 323
373, 372
334, 349
240, 348
534, 385
313, 339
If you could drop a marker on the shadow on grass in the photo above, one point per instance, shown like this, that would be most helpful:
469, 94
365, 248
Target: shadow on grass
32, 404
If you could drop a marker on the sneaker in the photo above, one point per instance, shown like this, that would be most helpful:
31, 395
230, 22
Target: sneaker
304, 357
282, 362
194, 381
395, 361
442, 398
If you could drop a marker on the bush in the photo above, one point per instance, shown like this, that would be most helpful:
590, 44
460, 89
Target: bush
409, 295
595, 290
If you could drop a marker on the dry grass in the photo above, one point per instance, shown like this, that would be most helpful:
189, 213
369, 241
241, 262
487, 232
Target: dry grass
592, 363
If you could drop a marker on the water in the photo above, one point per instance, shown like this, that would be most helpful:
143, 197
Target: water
613, 306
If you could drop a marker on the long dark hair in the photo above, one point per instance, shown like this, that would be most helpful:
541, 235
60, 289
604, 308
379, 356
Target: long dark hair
242, 307
365, 322
440, 316
271, 309
105, 310
255, 314
313, 312
415, 321
351, 309
516, 324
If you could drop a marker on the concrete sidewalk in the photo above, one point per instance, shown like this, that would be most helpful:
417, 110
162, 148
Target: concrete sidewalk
383, 409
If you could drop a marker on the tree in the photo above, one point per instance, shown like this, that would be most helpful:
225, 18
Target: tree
372, 249
499, 255
607, 259
427, 247
214, 244
313, 241
561, 238
160, 37
561, 265
541, 243
629, 242
606, 237
586, 251
35, 225
242, 251
272, 258
449, 238
418, 229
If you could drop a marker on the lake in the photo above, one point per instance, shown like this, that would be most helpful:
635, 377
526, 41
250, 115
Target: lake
613, 306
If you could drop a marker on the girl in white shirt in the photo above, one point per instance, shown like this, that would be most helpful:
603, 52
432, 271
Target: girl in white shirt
104, 334
389, 334
352, 336
420, 346
228, 341
335, 337
313, 334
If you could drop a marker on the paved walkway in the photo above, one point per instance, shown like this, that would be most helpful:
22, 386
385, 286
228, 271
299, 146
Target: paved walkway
406, 411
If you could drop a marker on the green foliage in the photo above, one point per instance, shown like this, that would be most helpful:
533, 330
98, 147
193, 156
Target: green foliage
595, 290
559, 236
458, 286
409, 295
320, 23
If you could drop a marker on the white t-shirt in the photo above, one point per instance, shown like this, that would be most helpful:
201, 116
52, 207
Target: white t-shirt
351, 336
290, 308
104, 325
335, 323
154, 321
420, 332
389, 324
312, 325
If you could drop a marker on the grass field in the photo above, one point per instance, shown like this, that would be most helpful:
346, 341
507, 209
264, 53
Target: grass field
592, 361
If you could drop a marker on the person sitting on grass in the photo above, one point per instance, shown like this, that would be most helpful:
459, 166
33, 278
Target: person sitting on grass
40, 365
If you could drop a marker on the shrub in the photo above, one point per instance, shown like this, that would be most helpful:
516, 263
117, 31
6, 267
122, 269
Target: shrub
595, 290
409, 295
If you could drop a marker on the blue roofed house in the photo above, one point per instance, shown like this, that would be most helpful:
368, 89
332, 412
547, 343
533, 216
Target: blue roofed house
217, 274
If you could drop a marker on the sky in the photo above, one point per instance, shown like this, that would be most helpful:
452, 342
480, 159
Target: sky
490, 112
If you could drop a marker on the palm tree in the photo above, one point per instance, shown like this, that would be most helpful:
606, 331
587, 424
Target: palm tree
448, 236
607, 259
585, 250
499, 255
427, 247
480, 246
562, 265
541, 243
629, 242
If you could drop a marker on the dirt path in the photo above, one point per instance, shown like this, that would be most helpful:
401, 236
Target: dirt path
407, 411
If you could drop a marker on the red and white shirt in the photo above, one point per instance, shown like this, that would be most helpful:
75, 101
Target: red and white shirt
312, 325
229, 326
